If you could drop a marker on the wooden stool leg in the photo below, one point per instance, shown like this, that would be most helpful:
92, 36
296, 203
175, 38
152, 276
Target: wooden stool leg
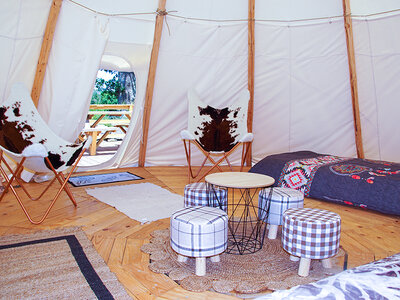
327, 263
215, 258
294, 258
200, 266
272, 232
304, 266
182, 258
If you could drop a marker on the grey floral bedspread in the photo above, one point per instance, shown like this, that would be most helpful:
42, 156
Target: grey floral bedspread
358, 182
376, 280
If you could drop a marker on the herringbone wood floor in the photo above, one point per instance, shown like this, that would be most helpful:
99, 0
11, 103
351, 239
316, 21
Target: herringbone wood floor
366, 235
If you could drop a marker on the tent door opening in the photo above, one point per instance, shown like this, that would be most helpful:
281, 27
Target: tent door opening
109, 114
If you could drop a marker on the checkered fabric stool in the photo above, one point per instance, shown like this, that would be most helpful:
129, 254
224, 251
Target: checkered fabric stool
279, 199
200, 232
310, 234
197, 194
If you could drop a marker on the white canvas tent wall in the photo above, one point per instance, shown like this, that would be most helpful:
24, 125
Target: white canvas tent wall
302, 92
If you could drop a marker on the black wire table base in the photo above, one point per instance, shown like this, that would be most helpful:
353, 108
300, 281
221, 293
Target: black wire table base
246, 230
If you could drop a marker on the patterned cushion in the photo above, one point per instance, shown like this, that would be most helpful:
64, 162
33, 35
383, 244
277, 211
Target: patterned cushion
199, 231
197, 194
311, 233
279, 200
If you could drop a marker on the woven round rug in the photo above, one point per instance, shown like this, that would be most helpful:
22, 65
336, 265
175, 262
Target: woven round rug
247, 275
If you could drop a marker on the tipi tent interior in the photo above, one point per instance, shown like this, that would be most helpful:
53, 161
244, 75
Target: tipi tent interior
322, 76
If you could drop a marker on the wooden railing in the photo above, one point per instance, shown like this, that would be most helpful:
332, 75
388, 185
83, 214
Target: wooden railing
111, 107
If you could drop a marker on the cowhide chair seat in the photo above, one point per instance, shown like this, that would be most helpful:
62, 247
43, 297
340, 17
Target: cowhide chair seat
217, 133
26, 139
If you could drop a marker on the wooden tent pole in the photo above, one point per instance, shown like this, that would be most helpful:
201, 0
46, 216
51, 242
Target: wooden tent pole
45, 50
250, 72
353, 77
150, 80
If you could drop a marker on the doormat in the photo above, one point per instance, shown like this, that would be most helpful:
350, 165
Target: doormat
55, 264
85, 180
244, 276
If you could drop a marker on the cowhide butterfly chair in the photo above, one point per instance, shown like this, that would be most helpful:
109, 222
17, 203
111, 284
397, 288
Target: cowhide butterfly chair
217, 133
26, 139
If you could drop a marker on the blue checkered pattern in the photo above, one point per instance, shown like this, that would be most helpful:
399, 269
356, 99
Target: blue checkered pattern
311, 233
278, 200
198, 194
199, 231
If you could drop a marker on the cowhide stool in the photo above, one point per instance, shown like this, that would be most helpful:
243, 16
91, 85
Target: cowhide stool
279, 199
200, 232
198, 194
309, 233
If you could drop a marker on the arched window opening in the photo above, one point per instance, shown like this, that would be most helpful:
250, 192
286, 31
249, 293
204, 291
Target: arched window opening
109, 113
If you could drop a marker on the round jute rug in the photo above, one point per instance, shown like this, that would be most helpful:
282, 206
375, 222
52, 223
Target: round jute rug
265, 271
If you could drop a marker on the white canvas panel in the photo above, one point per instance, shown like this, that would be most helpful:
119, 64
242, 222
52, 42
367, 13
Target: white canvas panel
21, 33
209, 9
213, 60
121, 7
377, 48
285, 10
72, 69
26, 19
271, 122
7, 50
304, 87
131, 30
25, 53
363, 7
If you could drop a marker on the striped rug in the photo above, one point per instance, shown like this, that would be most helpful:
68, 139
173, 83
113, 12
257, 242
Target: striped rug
55, 264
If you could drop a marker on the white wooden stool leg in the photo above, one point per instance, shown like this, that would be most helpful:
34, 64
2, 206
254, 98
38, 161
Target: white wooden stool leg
215, 258
327, 263
304, 266
200, 266
294, 258
272, 232
182, 258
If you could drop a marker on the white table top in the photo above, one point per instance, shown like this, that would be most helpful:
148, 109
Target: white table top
240, 180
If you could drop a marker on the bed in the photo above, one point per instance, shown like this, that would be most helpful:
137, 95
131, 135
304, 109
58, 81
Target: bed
369, 184
376, 280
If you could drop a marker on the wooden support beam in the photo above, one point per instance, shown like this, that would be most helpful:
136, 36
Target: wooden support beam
250, 72
150, 80
45, 50
353, 77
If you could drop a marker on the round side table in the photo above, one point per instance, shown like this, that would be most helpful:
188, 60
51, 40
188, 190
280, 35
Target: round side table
246, 229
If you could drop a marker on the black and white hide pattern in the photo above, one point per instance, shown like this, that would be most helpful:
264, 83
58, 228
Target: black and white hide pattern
217, 129
21, 126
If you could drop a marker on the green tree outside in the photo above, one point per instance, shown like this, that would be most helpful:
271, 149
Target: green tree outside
121, 88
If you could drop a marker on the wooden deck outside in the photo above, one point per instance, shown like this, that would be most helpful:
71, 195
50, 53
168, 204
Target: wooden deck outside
366, 235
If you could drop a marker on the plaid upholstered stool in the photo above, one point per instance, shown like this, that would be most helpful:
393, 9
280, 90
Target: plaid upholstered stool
276, 201
199, 232
310, 234
198, 194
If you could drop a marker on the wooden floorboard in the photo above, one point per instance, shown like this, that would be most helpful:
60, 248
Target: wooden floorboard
366, 235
